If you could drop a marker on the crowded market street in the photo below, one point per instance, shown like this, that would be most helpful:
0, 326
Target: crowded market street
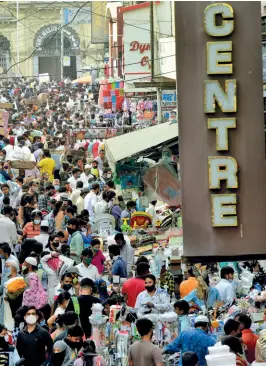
132, 203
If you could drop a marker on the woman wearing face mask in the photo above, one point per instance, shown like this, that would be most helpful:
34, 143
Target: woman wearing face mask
153, 299
8, 354
55, 265
61, 355
102, 290
89, 356
33, 228
53, 244
62, 300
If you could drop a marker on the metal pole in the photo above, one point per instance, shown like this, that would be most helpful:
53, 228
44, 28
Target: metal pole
152, 39
62, 45
159, 105
17, 40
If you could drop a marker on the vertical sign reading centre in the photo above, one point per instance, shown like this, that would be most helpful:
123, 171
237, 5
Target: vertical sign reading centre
220, 62
221, 128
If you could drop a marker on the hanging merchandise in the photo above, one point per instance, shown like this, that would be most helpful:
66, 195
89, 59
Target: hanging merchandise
95, 149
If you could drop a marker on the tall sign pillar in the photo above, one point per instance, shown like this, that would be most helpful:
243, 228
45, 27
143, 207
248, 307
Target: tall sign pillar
221, 128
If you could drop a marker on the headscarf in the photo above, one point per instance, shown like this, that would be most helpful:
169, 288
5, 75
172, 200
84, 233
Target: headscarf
63, 357
102, 289
35, 294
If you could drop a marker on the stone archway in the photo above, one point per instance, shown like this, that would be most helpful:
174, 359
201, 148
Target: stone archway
48, 44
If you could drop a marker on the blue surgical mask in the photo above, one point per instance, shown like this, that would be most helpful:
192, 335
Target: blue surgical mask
8, 271
56, 187
66, 217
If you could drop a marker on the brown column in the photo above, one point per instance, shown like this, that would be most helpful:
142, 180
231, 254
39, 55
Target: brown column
197, 143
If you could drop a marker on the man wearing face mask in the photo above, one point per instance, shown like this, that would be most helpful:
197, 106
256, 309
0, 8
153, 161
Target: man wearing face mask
225, 286
86, 269
66, 284
30, 265
33, 342
131, 207
8, 354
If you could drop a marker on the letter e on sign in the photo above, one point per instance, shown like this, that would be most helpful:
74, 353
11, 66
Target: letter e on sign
224, 210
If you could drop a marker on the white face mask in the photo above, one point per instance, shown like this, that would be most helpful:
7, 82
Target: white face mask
31, 319
6, 337
84, 229
108, 175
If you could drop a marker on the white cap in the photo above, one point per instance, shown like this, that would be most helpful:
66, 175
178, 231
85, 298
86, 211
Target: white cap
45, 223
201, 319
32, 261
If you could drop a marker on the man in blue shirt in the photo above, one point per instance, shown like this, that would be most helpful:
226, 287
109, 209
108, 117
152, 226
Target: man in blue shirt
213, 297
195, 340
119, 267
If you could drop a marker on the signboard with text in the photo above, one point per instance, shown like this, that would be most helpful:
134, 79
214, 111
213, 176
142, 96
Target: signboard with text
222, 154
168, 102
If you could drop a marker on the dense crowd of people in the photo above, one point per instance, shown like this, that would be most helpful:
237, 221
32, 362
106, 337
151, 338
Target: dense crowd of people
54, 267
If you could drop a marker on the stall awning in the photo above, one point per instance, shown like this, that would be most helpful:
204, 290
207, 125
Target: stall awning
129, 144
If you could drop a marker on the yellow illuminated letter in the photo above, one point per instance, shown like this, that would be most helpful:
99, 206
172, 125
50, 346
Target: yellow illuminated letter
213, 92
210, 20
222, 168
224, 210
218, 53
221, 125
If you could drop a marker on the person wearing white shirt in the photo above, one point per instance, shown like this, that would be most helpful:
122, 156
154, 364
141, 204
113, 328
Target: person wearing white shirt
152, 212
8, 228
74, 178
8, 148
91, 200
126, 251
86, 269
225, 287
86, 176
44, 236
101, 206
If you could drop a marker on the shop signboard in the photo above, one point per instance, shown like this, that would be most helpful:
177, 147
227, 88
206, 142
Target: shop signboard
222, 154
168, 102
77, 16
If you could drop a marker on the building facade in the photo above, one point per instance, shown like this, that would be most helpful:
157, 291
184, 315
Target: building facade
38, 39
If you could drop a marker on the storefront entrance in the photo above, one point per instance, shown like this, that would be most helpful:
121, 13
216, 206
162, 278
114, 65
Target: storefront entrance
48, 43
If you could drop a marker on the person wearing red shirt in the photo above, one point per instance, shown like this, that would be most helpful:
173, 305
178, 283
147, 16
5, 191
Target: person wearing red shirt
248, 337
134, 286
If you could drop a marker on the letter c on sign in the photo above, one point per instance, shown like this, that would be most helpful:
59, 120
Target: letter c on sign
210, 26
